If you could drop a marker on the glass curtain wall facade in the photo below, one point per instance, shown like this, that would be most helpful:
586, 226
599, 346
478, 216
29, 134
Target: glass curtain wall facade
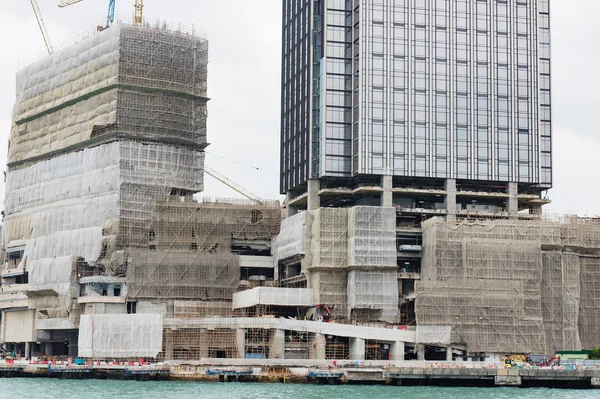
417, 88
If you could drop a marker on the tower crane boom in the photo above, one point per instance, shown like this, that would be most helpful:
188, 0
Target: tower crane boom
42, 25
248, 194
110, 15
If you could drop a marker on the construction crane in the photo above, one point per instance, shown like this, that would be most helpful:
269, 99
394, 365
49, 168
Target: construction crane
138, 8
42, 25
138, 12
248, 194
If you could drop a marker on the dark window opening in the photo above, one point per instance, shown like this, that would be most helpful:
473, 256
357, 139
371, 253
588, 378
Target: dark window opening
131, 307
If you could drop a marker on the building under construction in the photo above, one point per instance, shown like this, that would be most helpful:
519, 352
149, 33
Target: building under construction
109, 255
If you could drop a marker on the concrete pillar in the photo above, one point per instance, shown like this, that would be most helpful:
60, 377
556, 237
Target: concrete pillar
169, 349
449, 354
420, 351
512, 204
386, 194
397, 350
28, 350
317, 349
357, 349
290, 210
314, 202
277, 346
450, 200
240, 341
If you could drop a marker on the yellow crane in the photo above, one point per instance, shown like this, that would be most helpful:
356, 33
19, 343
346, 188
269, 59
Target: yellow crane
42, 25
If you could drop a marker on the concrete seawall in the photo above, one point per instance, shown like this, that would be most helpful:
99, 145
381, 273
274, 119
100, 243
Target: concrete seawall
381, 373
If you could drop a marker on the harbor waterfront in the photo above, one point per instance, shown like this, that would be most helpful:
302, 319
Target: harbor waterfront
410, 373
44, 388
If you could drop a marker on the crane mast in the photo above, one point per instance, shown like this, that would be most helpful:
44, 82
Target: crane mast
138, 12
42, 25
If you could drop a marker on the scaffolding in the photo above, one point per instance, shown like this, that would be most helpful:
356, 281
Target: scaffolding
348, 256
510, 286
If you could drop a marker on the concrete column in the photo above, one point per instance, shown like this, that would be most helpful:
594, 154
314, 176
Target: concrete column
512, 204
28, 350
290, 210
357, 349
449, 354
386, 194
450, 200
314, 202
317, 349
420, 351
397, 350
277, 346
240, 341
169, 349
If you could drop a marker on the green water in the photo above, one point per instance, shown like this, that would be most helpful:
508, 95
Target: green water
17, 388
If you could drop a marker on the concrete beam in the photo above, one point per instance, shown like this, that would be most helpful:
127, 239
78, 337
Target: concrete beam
386, 195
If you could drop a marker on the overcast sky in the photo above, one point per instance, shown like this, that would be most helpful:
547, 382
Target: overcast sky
244, 84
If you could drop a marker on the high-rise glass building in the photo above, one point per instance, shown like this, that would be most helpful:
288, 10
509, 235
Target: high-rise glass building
423, 92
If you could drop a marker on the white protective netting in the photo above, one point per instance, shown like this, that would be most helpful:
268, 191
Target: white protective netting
101, 130
373, 294
116, 81
291, 240
372, 236
120, 336
272, 296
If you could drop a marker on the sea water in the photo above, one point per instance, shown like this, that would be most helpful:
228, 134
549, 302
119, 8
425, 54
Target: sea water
17, 388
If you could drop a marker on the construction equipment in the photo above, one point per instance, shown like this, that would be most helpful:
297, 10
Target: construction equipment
514, 360
110, 15
553, 361
138, 13
42, 25
319, 312
248, 194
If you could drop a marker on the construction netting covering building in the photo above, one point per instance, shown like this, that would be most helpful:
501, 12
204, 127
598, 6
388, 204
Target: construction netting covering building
349, 258
510, 285
105, 154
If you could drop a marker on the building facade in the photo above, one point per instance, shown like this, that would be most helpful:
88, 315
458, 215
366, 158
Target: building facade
421, 91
